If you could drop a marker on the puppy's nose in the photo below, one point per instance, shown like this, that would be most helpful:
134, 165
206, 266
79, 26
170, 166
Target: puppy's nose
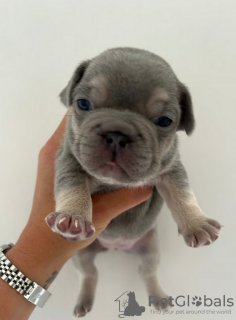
116, 140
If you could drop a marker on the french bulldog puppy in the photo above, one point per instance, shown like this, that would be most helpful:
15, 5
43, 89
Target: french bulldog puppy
127, 106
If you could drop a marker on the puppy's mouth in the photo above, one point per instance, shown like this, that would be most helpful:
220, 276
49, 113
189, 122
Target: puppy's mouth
112, 163
112, 169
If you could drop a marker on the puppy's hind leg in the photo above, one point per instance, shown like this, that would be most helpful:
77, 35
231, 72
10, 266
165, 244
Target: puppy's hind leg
84, 261
147, 249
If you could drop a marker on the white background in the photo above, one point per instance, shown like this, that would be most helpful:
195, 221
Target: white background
41, 42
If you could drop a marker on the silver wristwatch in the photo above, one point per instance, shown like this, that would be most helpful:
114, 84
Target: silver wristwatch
17, 280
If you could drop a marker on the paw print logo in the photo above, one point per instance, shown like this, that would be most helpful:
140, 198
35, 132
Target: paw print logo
197, 301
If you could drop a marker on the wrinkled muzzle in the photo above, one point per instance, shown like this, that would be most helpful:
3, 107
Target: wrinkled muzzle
117, 146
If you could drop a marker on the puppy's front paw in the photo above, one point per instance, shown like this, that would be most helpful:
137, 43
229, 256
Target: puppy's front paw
162, 307
72, 228
82, 308
200, 231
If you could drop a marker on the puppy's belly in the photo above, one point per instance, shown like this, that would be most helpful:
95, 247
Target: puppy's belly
118, 243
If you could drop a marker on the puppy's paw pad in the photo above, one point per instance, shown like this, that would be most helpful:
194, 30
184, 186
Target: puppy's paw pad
214, 223
50, 220
164, 306
203, 231
76, 226
82, 308
72, 228
64, 223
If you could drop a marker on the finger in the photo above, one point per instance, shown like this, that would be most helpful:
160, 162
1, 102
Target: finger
107, 206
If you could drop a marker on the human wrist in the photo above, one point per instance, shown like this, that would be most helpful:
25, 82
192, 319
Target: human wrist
40, 254
35, 259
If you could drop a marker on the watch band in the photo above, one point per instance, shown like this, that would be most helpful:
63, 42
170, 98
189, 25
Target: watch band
32, 292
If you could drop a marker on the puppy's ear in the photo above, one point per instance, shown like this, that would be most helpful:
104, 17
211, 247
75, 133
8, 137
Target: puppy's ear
66, 94
187, 120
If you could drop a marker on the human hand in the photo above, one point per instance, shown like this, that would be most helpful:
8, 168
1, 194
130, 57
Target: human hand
39, 253
38, 245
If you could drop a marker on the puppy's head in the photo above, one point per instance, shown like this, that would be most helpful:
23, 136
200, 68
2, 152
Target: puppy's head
127, 105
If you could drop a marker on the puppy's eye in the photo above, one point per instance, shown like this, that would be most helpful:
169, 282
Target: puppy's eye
83, 104
163, 122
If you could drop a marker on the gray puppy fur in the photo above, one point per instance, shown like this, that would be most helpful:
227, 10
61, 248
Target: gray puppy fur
118, 143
